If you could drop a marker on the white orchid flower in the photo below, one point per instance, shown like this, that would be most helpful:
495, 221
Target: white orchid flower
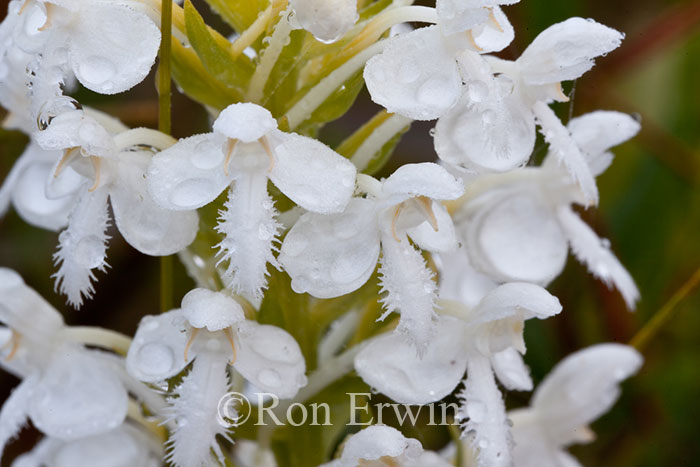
211, 330
522, 227
327, 20
483, 340
110, 166
332, 255
109, 45
563, 52
245, 151
67, 391
380, 445
417, 74
25, 187
125, 445
580, 389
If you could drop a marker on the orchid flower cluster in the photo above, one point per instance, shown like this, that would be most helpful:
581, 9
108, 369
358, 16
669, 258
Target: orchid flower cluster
306, 265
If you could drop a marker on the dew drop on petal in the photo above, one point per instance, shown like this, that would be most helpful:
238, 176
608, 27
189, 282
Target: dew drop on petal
155, 358
89, 252
54, 107
97, 69
206, 155
192, 193
408, 73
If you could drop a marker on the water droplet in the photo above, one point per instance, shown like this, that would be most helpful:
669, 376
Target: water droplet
432, 132
54, 107
432, 93
343, 230
478, 91
605, 243
155, 359
488, 116
192, 193
270, 378
97, 70
89, 252
206, 156
301, 284
344, 270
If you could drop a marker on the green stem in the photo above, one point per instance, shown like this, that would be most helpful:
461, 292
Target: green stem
165, 126
661, 317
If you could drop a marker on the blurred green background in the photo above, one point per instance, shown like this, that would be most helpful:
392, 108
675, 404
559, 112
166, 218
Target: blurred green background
650, 210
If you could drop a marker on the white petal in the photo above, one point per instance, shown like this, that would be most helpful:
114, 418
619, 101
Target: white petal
495, 34
488, 131
424, 179
117, 448
75, 129
566, 50
24, 310
517, 238
566, 151
582, 387
327, 20
271, 359
459, 281
77, 397
13, 415
390, 365
485, 412
82, 247
146, 226
311, 174
29, 195
595, 253
427, 238
415, 75
158, 349
215, 311
245, 121
511, 370
329, 256
508, 299
597, 132
459, 15
376, 442
112, 47
250, 236
189, 174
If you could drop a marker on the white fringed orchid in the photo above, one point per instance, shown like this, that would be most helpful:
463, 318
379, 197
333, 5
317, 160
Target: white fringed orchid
332, 255
123, 446
483, 340
563, 52
327, 20
521, 227
67, 391
380, 445
107, 166
109, 45
245, 151
26, 188
417, 74
580, 389
211, 331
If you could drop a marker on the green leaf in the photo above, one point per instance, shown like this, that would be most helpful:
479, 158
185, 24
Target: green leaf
195, 81
215, 52
238, 13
